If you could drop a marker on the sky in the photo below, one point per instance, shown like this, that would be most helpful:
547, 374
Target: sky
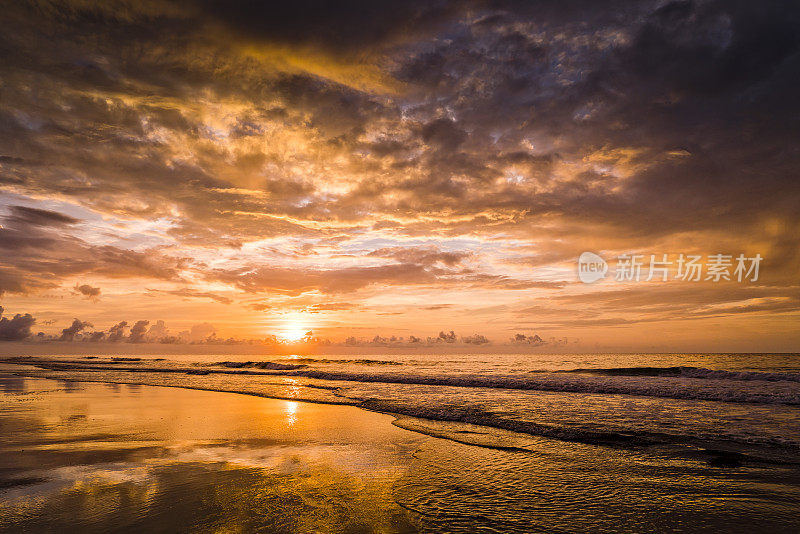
400, 169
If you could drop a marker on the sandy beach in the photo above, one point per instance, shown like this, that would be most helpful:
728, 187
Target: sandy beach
96, 457
105, 457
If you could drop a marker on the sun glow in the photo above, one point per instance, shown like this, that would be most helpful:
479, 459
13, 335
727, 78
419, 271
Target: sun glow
294, 328
293, 333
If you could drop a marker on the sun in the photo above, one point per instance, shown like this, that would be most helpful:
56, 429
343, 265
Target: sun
293, 327
294, 332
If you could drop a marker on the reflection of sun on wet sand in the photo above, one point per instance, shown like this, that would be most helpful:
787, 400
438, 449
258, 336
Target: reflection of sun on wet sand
77, 455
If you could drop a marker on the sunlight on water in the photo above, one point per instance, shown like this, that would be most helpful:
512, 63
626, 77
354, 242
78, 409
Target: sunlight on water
291, 413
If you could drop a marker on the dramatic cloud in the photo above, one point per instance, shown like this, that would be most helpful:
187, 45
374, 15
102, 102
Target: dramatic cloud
40, 250
94, 337
447, 337
87, 290
117, 332
527, 340
138, 332
183, 155
69, 333
17, 328
420, 255
476, 339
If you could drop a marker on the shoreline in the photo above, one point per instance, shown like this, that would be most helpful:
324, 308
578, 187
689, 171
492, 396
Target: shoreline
112, 438
751, 452
715, 454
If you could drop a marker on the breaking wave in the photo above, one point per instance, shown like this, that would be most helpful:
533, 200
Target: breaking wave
686, 383
557, 382
688, 372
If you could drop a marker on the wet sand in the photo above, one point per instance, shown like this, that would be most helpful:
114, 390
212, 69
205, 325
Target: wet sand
98, 457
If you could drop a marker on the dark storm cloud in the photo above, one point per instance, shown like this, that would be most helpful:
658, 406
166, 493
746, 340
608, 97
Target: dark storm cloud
686, 78
713, 79
350, 26
16, 328
87, 290
138, 332
29, 228
475, 339
95, 337
69, 333
25, 216
117, 332
533, 339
